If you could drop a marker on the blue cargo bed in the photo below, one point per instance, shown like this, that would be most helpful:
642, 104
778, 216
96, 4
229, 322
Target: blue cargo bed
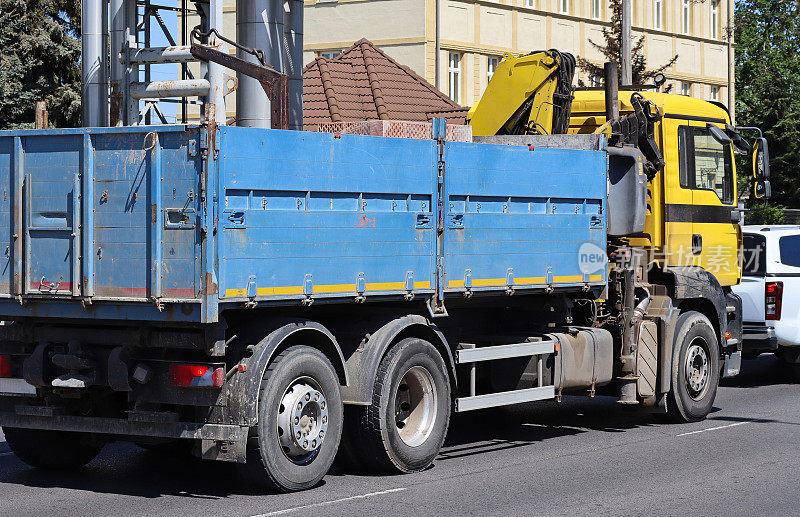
169, 223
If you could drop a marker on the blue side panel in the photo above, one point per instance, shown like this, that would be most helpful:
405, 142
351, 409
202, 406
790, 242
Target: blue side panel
516, 217
6, 211
309, 213
92, 217
52, 168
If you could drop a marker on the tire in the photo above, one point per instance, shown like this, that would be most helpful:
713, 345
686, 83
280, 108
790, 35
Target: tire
300, 382
696, 374
52, 450
405, 426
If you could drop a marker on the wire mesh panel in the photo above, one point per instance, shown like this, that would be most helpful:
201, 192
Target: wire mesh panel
396, 129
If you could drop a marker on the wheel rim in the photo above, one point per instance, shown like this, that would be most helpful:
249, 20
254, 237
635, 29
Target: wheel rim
697, 368
302, 420
415, 404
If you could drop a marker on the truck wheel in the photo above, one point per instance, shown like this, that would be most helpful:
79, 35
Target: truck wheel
405, 426
695, 376
55, 450
299, 422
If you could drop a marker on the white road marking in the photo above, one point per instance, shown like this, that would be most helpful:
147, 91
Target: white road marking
326, 503
715, 428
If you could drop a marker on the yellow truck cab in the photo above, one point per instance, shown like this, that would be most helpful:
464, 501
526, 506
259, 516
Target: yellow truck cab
691, 209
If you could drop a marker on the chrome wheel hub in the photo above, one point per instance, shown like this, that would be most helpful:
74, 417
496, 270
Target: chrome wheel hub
415, 404
302, 421
697, 368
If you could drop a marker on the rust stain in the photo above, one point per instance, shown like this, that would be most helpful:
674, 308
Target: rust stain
210, 288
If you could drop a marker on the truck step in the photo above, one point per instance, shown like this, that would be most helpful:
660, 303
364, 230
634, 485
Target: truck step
505, 398
491, 353
470, 354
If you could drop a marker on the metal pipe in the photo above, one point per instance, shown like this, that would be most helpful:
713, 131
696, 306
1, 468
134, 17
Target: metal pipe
293, 59
94, 97
729, 36
216, 72
610, 70
161, 89
117, 68
259, 25
436, 60
161, 55
130, 105
625, 45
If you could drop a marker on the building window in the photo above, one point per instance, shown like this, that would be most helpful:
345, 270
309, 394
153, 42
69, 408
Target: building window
686, 89
596, 9
714, 18
330, 54
530, 3
595, 80
714, 93
563, 6
491, 67
685, 17
657, 14
454, 75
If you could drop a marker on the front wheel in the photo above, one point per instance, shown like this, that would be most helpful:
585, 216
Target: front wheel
299, 422
696, 373
405, 426
54, 450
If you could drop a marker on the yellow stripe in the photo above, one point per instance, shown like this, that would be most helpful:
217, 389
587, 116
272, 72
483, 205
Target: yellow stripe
324, 289
568, 278
484, 282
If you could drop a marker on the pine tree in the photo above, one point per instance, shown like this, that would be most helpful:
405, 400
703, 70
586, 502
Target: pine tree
612, 51
40, 60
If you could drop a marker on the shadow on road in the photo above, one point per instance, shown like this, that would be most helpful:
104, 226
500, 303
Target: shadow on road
125, 469
765, 370
526, 424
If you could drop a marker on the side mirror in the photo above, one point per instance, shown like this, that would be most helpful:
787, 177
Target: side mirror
762, 189
760, 159
740, 145
718, 134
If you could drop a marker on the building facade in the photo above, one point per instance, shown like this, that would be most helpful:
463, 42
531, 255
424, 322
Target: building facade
472, 36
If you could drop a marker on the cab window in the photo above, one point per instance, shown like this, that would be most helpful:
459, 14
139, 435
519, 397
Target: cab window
705, 164
754, 254
790, 250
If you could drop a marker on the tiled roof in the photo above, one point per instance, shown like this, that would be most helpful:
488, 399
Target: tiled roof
363, 83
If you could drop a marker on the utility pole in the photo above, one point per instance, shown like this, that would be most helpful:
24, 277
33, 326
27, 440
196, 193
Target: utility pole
625, 44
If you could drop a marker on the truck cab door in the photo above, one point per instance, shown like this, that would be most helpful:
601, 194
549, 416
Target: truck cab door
707, 170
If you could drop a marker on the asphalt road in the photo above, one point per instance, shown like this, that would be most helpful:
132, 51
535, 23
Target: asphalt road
582, 457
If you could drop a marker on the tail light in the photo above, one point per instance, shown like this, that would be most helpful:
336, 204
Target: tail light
773, 300
195, 376
5, 366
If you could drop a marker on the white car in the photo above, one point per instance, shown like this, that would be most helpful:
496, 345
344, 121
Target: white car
770, 291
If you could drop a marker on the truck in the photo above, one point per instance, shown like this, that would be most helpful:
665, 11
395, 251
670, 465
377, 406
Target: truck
275, 298
769, 305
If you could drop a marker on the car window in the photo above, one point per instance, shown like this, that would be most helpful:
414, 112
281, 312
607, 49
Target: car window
790, 250
754, 254
705, 164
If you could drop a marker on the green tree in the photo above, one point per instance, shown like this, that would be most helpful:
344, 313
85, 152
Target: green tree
768, 88
612, 51
40, 60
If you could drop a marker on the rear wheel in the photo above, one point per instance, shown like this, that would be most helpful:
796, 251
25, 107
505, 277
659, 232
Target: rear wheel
299, 422
56, 450
695, 376
405, 426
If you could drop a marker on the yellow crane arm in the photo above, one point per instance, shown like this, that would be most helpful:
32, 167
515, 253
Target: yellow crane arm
527, 94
